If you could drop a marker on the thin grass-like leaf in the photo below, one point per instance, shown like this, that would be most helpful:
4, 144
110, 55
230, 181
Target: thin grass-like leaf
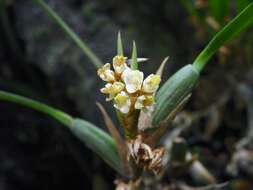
134, 63
98, 141
230, 31
110, 125
182, 82
121, 145
54, 113
81, 44
93, 137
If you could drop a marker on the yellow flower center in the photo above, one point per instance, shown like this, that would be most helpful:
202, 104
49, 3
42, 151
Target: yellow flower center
149, 101
121, 100
117, 87
155, 80
119, 60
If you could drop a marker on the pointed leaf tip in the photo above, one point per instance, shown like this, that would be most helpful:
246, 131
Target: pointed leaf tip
161, 67
98, 141
235, 27
134, 64
119, 45
121, 146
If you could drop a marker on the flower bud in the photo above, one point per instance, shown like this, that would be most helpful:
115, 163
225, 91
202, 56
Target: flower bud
105, 73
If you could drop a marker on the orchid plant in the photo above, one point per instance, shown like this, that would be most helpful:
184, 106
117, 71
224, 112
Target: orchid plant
144, 110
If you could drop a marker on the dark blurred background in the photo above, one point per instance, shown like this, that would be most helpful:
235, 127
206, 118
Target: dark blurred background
38, 60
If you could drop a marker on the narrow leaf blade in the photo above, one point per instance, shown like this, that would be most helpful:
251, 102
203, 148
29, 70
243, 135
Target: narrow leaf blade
120, 143
173, 92
98, 141
93, 137
230, 31
79, 42
38, 106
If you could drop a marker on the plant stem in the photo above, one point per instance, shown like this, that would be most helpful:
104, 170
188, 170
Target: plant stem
81, 44
230, 31
56, 114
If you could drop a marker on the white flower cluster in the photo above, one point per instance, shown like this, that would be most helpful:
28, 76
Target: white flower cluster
127, 87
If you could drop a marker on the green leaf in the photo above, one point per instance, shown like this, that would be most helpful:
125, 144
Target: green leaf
134, 60
173, 92
178, 87
98, 141
93, 137
239, 24
54, 113
120, 50
219, 9
81, 44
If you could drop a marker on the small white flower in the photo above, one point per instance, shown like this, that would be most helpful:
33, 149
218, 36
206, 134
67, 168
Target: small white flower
119, 64
112, 89
122, 102
133, 80
144, 102
105, 73
139, 102
151, 83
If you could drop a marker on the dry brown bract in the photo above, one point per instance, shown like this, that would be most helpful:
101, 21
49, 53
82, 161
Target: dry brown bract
121, 185
144, 156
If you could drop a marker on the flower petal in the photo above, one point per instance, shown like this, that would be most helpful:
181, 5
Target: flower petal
122, 102
151, 83
105, 73
112, 89
119, 64
139, 102
133, 80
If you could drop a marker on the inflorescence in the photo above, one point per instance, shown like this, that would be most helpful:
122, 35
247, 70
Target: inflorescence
127, 87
